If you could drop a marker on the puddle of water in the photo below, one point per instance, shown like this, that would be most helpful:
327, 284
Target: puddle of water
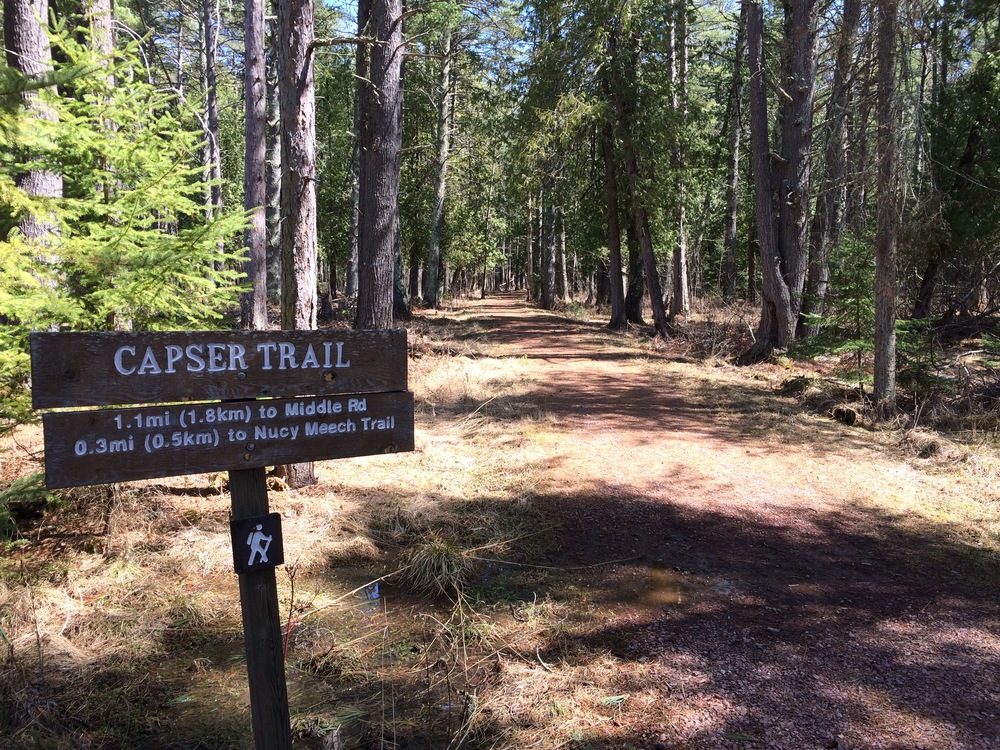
653, 587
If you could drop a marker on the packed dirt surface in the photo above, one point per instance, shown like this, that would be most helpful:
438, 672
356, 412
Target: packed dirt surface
751, 575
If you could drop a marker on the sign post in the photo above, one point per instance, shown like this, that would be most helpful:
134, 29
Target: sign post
235, 401
261, 624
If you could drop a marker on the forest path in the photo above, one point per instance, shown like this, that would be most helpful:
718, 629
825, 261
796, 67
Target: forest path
780, 572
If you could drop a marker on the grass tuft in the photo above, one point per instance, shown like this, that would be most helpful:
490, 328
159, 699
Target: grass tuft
439, 567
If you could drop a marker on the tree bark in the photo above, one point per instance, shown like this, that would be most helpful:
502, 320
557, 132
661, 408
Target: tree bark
210, 24
432, 290
828, 217
362, 58
680, 300
565, 289
529, 259
547, 300
253, 302
299, 245
729, 252
887, 222
636, 282
659, 310
381, 152
776, 321
794, 167
29, 52
614, 270
273, 174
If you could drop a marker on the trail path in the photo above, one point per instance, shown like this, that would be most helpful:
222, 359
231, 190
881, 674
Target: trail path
780, 583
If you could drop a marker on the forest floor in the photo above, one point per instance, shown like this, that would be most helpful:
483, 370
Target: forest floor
657, 553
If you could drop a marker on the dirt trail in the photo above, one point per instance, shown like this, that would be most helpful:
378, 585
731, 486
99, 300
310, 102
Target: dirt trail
776, 586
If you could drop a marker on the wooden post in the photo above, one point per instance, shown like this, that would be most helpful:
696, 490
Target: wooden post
261, 626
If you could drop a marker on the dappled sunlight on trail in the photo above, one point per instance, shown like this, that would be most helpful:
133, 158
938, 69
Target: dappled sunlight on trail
771, 576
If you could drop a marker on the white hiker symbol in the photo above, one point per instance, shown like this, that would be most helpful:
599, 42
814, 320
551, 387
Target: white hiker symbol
258, 542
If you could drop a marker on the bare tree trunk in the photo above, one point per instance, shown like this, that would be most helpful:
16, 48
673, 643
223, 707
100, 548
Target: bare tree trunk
776, 322
548, 245
885, 239
566, 290
400, 294
253, 302
729, 252
636, 281
432, 291
680, 301
210, 24
614, 270
381, 152
794, 167
362, 57
273, 174
28, 51
529, 261
828, 218
659, 310
100, 16
298, 195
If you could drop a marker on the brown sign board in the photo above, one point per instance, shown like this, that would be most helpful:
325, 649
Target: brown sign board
216, 401
112, 369
100, 446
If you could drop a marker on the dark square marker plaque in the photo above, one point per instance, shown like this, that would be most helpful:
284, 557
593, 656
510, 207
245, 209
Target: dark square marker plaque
257, 543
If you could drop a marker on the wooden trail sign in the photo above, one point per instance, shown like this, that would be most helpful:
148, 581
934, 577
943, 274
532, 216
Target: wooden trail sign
168, 371
117, 445
234, 401
104, 369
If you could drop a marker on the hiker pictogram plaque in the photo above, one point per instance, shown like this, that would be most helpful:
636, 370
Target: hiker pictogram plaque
257, 543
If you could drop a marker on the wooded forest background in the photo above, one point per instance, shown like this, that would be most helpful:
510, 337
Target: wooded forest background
834, 164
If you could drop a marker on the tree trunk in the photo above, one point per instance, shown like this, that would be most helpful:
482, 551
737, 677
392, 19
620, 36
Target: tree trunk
381, 151
100, 16
273, 174
400, 294
547, 242
614, 270
253, 302
885, 239
432, 288
663, 326
641, 225
28, 51
828, 218
636, 281
565, 289
529, 269
729, 252
210, 23
859, 156
680, 301
298, 195
794, 167
777, 324
362, 76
